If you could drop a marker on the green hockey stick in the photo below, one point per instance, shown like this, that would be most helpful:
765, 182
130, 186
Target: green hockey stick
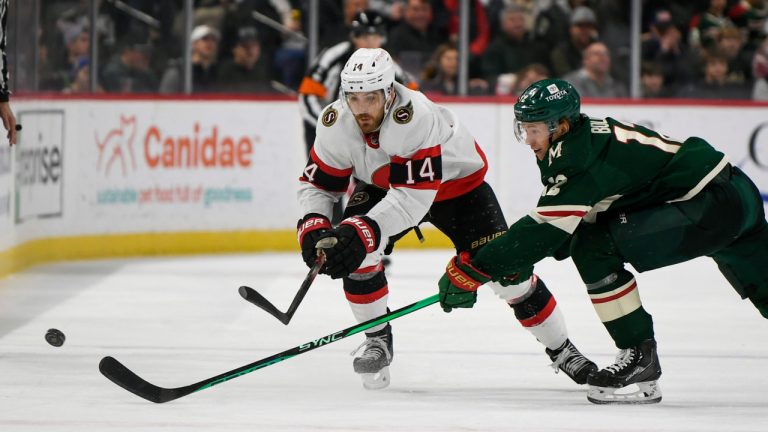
125, 378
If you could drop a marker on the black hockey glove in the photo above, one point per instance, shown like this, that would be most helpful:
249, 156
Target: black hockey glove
308, 230
358, 236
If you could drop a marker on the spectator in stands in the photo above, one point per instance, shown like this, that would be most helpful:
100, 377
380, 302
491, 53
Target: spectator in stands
442, 74
528, 75
211, 12
715, 84
652, 84
242, 14
730, 43
290, 60
77, 41
705, 27
74, 17
205, 45
391, 9
760, 72
412, 42
748, 13
681, 12
129, 72
49, 77
664, 47
336, 19
447, 21
514, 48
80, 78
566, 57
552, 20
161, 38
615, 30
244, 72
752, 16
594, 79
164, 42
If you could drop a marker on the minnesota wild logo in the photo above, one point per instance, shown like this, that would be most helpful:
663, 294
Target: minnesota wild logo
329, 117
403, 114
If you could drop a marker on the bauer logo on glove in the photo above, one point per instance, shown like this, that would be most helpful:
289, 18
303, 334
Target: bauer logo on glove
357, 237
364, 231
460, 279
458, 286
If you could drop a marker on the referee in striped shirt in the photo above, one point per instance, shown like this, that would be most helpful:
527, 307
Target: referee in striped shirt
9, 120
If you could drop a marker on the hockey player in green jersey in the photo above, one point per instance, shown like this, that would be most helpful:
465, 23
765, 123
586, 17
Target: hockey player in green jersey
617, 193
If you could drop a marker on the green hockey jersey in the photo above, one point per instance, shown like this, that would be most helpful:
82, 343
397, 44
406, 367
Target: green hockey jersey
600, 165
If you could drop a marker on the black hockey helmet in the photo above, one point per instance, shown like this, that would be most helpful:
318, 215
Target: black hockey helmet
368, 22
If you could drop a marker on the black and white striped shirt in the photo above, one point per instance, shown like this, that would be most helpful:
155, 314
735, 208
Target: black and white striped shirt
4, 92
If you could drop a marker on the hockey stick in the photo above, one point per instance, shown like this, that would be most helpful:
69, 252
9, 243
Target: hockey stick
259, 300
125, 378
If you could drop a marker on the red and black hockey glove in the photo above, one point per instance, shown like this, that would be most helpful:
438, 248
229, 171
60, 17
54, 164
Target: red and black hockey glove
459, 284
308, 230
357, 237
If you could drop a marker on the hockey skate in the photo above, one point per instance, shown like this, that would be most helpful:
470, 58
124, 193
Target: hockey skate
631, 380
373, 363
569, 360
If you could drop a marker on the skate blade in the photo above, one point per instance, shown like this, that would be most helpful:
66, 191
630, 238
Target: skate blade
376, 381
647, 392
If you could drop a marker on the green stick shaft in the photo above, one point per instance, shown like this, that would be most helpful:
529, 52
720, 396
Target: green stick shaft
125, 378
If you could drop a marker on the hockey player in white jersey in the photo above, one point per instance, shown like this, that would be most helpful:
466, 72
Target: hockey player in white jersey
414, 162
321, 84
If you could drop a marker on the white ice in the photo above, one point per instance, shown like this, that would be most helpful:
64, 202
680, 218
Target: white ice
176, 321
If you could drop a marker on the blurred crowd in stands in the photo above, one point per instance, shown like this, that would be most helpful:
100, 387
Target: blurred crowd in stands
689, 49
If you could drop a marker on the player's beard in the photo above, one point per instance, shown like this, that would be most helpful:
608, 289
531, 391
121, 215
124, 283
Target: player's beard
368, 123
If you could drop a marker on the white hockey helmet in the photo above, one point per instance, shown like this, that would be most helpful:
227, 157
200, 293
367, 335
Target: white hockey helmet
369, 69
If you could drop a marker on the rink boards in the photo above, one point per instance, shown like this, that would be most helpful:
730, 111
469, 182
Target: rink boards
113, 177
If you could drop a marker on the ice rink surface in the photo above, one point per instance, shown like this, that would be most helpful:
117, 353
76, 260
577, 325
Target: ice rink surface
176, 321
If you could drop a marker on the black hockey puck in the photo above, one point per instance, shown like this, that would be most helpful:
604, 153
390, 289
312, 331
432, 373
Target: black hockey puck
18, 126
55, 337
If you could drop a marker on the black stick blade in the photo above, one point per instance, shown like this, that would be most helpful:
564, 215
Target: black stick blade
125, 378
253, 296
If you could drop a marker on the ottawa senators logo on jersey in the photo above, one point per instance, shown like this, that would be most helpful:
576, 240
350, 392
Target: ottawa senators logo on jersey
403, 114
329, 117
359, 197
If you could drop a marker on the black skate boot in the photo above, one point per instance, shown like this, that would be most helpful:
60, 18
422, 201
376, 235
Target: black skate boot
635, 366
373, 363
569, 360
